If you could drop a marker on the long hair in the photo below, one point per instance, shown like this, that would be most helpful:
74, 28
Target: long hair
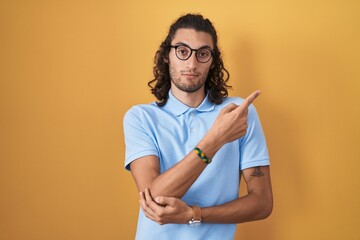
218, 76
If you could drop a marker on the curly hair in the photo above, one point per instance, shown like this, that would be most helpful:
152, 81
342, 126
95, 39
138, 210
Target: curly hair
218, 76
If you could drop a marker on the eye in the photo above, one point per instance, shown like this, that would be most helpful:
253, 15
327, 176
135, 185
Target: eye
204, 53
182, 51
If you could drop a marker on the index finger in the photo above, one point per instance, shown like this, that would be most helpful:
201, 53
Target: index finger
249, 100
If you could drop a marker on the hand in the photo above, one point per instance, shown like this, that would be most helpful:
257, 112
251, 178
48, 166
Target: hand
165, 209
231, 123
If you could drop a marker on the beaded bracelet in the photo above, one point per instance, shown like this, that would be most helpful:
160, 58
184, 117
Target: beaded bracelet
202, 155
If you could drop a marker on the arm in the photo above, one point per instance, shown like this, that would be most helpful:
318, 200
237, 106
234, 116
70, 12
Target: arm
230, 125
256, 205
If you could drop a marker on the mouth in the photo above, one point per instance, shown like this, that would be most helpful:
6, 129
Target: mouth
190, 75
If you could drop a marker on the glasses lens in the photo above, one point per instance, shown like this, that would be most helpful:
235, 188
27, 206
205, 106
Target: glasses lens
183, 52
203, 55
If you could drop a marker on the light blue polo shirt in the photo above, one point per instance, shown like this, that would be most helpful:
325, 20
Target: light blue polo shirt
170, 133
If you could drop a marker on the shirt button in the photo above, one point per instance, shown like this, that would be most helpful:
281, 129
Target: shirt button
192, 130
192, 113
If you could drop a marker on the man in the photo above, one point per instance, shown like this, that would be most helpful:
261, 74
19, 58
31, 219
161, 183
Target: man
187, 151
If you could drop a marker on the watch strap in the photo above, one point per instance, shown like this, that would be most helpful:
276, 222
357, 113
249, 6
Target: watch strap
196, 213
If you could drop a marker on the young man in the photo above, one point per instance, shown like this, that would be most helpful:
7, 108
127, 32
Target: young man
187, 151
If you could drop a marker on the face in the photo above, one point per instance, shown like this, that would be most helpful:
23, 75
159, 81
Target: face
189, 75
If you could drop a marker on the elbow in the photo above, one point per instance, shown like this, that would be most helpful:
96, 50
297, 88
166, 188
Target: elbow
267, 208
154, 192
158, 192
267, 211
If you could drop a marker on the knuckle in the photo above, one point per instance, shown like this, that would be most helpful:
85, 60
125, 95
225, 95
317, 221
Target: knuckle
232, 105
161, 213
242, 121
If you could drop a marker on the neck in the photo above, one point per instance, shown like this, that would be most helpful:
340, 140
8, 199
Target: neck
192, 100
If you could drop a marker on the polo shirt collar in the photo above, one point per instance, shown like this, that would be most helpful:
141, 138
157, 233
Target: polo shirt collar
176, 107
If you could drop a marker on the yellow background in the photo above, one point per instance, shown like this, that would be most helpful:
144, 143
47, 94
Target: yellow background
70, 69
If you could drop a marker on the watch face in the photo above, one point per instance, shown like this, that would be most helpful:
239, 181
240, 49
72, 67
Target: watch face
194, 223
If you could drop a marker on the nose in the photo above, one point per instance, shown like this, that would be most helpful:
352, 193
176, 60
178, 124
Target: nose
192, 61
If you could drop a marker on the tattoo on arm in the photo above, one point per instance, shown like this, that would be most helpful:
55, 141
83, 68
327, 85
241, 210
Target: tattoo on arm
257, 172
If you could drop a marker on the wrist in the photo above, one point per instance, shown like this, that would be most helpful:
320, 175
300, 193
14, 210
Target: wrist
210, 144
188, 214
196, 217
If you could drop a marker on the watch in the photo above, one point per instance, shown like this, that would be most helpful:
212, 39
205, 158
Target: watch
196, 219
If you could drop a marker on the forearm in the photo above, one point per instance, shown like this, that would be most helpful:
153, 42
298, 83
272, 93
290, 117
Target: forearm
173, 210
231, 124
244, 209
176, 181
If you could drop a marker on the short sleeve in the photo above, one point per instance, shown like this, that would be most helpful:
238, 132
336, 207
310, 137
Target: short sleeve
253, 148
138, 142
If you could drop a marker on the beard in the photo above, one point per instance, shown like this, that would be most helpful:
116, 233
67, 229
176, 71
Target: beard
187, 85
189, 88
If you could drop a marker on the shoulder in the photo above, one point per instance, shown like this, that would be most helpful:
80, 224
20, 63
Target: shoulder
141, 111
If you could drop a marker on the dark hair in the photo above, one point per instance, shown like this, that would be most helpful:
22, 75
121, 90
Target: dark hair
216, 82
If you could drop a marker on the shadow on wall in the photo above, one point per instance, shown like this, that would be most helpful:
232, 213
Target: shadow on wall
281, 135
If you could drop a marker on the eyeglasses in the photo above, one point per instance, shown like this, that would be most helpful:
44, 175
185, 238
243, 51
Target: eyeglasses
184, 52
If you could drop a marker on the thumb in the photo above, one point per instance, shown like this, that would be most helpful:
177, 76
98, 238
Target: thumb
229, 108
161, 200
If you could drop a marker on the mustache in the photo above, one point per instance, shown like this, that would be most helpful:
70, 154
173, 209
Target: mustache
189, 72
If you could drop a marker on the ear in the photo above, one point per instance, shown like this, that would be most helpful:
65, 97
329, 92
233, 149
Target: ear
166, 60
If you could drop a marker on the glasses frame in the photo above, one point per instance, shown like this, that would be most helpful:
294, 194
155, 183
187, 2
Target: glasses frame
192, 50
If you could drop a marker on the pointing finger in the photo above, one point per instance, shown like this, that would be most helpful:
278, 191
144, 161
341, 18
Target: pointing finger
253, 96
249, 100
